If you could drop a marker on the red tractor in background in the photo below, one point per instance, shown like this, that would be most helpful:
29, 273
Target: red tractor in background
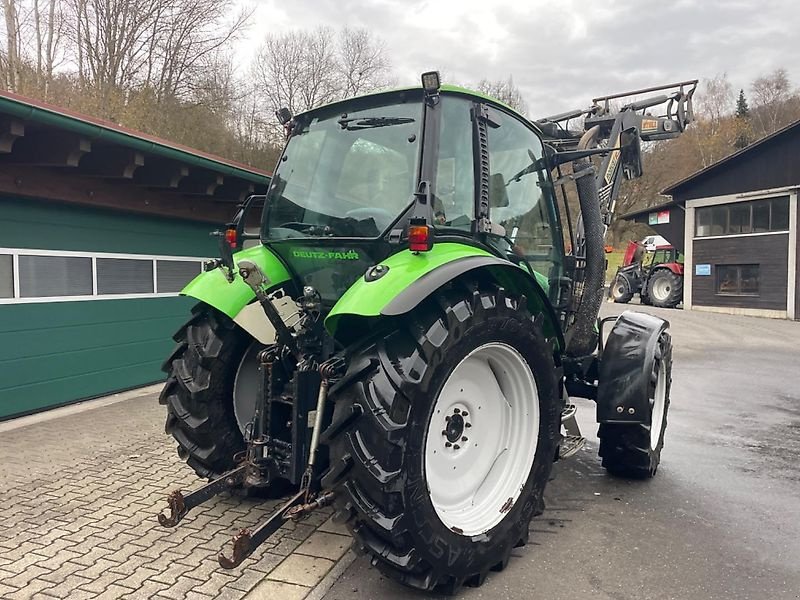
652, 268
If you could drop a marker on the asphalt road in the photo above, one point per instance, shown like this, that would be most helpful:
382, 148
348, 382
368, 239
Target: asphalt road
721, 520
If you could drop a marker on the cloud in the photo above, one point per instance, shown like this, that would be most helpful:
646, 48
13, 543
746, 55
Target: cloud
560, 54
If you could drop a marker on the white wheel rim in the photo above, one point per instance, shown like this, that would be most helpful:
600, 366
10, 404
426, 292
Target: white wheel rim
659, 408
661, 289
490, 399
245, 386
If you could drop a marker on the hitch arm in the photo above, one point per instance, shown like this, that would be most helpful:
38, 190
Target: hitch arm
180, 505
246, 541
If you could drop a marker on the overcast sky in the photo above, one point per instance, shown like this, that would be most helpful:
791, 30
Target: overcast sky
561, 53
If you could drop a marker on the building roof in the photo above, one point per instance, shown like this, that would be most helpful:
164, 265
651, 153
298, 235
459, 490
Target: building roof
649, 209
53, 154
677, 186
36, 111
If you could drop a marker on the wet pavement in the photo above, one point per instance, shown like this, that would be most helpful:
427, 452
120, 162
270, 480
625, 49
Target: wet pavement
721, 520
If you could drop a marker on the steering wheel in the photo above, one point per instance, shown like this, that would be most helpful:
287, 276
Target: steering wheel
381, 216
296, 225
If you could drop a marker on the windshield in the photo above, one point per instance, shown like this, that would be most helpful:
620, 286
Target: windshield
346, 175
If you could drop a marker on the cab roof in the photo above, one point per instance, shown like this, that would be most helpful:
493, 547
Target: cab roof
445, 88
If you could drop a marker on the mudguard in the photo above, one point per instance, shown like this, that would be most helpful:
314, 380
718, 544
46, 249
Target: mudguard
398, 284
626, 367
234, 298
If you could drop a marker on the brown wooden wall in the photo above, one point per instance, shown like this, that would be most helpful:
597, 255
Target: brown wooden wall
770, 252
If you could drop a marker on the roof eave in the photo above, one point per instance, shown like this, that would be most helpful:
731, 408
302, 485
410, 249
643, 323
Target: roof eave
32, 110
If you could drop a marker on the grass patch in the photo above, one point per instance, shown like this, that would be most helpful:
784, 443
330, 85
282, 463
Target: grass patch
614, 261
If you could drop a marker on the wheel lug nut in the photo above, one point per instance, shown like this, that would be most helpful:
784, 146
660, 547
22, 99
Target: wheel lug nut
447, 444
464, 438
456, 447
467, 424
447, 418
457, 411
444, 432
465, 414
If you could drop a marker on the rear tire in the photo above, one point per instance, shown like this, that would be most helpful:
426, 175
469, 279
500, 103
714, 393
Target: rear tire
665, 289
391, 400
634, 451
621, 290
198, 393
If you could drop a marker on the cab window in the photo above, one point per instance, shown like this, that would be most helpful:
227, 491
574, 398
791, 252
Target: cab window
455, 177
521, 198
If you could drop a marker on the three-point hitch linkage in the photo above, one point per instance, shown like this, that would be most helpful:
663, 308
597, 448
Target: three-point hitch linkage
267, 457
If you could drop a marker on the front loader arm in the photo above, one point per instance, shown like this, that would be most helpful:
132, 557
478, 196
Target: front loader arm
616, 135
622, 130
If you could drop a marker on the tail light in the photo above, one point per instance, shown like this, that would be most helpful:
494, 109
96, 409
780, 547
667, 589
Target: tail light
230, 237
420, 236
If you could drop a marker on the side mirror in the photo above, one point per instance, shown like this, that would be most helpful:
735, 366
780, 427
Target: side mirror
284, 115
248, 220
631, 153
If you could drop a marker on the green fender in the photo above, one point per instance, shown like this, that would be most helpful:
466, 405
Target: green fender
213, 288
411, 277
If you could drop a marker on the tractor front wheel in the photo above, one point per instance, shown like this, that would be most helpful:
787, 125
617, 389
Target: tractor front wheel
621, 290
634, 451
443, 438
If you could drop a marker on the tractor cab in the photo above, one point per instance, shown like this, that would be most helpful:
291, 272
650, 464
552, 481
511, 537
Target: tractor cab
354, 177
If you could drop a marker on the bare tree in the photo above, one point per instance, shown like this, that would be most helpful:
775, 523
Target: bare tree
49, 27
506, 91
186, 37
363, 62
161, 44
11, 57
714, 133
716, 98
303, 69
771, 94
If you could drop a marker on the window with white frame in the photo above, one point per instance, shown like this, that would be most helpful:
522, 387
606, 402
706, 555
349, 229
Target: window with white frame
6, 276
173, 275
756, 216
28, 275
46, 276
124, 276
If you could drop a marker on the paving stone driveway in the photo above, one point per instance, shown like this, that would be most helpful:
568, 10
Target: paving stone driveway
78, 502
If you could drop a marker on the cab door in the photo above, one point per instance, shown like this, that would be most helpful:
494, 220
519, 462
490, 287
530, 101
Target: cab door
521, 198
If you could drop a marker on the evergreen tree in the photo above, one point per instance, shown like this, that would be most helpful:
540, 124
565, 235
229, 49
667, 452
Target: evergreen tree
742, 122
742, 109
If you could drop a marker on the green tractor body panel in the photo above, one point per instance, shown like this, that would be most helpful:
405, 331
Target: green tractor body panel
230, 298
410, 277
368, 299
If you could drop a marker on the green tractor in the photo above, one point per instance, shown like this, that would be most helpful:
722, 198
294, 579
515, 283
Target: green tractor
401, 337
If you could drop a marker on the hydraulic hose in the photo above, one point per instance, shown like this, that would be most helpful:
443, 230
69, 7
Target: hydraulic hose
582, 337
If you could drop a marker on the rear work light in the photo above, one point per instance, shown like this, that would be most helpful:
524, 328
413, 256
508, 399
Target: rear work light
420, 237
230, 237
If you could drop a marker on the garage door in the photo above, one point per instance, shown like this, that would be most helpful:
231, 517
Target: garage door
88, 300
